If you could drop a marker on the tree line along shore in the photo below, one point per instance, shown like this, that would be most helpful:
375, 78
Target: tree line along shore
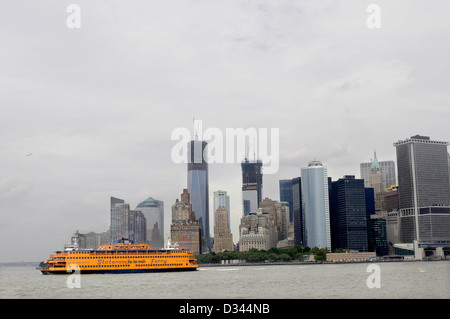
291, 254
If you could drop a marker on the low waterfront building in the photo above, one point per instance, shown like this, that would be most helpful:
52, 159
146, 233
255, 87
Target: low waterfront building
350, 256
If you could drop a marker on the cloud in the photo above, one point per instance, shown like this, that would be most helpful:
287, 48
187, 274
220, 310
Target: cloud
12, 191
379, 77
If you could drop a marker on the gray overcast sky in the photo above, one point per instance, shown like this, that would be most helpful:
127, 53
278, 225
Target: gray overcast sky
96, 106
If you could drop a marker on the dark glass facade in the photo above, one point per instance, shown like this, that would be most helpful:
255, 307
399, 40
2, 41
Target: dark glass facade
252, 177
377, 236
370, 201
297, 211
286, 195
291, 192
252, 180
348, 223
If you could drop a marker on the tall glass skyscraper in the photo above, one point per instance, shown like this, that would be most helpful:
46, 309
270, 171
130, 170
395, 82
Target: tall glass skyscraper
424, 188
198, 187
251, 185
316, 209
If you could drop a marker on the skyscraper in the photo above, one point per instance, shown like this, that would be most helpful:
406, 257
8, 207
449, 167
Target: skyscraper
424, 188
449, 165
114, 218
297, 211
377, 236
126, 223
376, 176
251, 185
117, 217
387, 169
291, 192
137, 227
370, 201
315, 195
286, 195
185, 229
223, 239
198, 187
221, 199
348, 220
153, 211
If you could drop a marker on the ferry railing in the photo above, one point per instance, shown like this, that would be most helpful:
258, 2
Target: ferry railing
58, 254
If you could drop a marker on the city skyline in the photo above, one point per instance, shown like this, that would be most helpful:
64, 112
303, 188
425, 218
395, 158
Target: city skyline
87, 114
211, 203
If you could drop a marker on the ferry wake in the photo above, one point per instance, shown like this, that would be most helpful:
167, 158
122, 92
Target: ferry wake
120, 257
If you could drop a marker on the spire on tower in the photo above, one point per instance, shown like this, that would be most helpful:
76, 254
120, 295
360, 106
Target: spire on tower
375, 163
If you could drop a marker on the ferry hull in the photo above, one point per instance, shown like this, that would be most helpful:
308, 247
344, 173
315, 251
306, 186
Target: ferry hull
116, 271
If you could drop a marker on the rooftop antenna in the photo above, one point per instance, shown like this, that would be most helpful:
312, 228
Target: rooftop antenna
254, 149
246, 153
195, 129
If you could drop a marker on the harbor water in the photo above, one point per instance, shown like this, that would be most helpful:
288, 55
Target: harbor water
405, 280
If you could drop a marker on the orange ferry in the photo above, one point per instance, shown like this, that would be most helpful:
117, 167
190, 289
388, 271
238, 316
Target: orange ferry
121, 257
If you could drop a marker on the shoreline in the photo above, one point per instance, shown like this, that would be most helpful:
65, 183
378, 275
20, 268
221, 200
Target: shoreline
312, 263
20, 264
